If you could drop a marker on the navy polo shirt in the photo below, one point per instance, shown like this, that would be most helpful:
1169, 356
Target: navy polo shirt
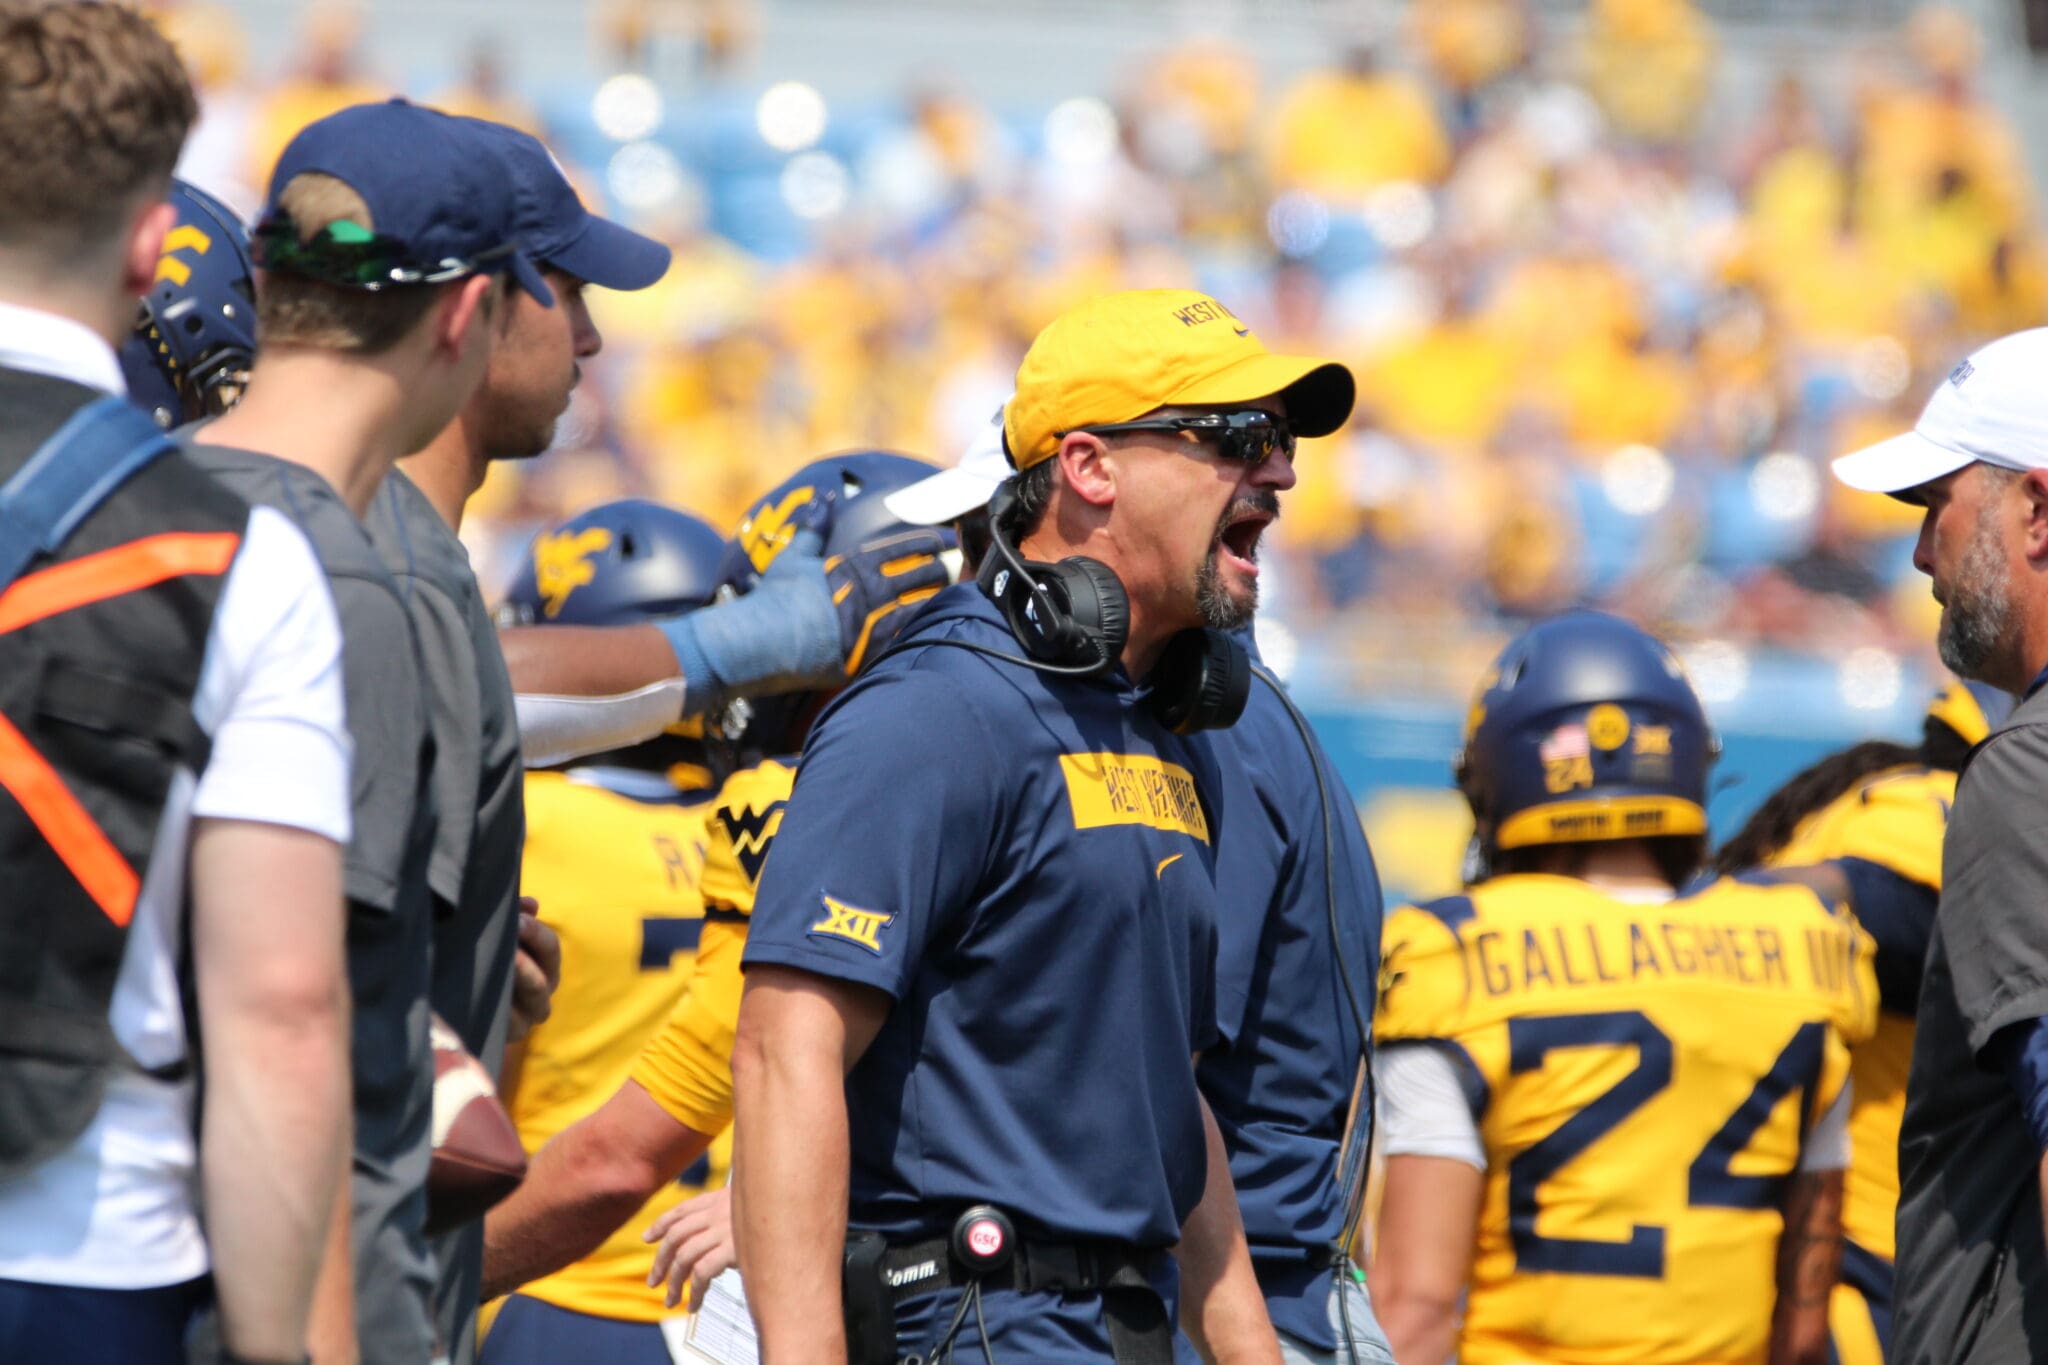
1280, 1078
1025, 865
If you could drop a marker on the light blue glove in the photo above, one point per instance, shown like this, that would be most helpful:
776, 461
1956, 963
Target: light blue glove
810, 623
781, 637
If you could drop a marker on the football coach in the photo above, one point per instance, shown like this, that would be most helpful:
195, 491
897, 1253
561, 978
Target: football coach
983, 953
1972, 1281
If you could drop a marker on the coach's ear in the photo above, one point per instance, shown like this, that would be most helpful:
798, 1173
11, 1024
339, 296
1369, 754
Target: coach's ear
2033, 487
1089, 466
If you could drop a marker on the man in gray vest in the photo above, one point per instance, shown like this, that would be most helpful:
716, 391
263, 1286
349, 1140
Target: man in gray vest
350, 378
1972, 1283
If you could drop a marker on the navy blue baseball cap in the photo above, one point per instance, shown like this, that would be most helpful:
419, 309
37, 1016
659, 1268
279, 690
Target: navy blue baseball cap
442, 204
554, 226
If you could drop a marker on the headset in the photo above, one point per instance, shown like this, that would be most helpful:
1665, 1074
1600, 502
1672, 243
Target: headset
1074, 617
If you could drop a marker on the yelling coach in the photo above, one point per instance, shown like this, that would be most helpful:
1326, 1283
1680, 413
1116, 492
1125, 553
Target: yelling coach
1298, 924
975, 984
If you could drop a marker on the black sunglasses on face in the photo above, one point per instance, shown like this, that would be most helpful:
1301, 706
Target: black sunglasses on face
1250, 436
352, 257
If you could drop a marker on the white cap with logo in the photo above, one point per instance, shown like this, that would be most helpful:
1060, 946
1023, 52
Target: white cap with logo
1993, 407
952, 493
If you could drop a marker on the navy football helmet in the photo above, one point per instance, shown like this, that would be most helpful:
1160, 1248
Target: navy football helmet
850, 488
617, 564
195, 333
1585, 729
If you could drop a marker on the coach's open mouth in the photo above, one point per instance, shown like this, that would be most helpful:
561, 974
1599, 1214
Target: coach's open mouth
1239, 539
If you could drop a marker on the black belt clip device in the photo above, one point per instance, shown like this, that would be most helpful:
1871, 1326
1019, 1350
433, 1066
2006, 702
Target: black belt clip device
983, 1239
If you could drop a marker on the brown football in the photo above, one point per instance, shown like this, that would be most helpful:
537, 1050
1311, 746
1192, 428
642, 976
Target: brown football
477, 1156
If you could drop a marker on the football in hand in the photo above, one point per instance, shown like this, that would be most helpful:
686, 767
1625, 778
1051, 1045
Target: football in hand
477, 1156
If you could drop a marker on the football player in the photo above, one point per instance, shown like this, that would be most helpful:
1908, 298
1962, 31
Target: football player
596, 1175
1614, 1116
614, 848
195, 331
1886, 806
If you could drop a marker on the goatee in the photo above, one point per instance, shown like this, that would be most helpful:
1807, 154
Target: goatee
1977, 618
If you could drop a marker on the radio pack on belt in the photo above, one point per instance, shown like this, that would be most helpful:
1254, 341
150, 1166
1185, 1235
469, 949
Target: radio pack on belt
984, 1250
101, 648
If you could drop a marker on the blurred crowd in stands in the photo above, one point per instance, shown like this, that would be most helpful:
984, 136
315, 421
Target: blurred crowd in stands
1609, 321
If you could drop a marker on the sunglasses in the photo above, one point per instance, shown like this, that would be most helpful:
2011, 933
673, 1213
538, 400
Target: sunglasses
353, 257
1250, 436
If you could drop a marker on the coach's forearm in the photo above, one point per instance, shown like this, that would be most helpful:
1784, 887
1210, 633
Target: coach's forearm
790, 1160
582, 1187
1222, 1309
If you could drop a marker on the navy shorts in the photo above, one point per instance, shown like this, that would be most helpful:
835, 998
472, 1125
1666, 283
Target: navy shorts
529, 1332
1044, 1328
57, 1322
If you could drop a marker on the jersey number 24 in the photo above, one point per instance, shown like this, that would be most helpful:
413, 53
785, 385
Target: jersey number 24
1710, 1181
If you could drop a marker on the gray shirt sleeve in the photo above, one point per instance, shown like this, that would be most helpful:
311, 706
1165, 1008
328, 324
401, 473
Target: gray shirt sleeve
454, 701
1994, 899
380, 679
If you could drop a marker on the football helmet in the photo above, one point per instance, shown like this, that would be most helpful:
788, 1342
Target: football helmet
195, 331
1585, 728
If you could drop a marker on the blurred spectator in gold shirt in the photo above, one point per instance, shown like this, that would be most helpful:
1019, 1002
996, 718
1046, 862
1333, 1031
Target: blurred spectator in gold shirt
326, 76
1650, 63
1342, 132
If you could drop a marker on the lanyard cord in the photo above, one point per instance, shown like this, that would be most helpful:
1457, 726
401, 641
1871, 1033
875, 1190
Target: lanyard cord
1352, 1161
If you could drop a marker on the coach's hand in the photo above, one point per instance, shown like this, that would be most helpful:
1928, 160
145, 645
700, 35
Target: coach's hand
809, 623
696, 1245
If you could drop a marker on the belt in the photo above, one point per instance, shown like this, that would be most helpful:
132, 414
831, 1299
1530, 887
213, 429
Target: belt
926, 1267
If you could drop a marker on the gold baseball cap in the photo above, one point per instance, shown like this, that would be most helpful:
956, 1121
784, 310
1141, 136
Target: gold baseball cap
1119, 356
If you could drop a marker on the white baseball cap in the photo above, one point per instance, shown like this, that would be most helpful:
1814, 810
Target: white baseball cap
1993, 407
952, 493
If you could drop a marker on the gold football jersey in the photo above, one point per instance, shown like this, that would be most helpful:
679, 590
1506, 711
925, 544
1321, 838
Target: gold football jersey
1643, 1077
687, 1066
617, 878
1895, 819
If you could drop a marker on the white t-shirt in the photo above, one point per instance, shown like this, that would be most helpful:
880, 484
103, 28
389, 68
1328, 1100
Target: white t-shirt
118, 1209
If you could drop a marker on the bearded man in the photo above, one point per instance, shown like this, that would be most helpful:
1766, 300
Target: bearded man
1972, 1280
982, 953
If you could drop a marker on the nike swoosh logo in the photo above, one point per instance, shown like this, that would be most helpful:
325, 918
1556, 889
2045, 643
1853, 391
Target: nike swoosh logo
1165, 863
1244, 331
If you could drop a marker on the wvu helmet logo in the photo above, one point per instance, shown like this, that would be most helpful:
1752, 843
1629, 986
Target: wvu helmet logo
768, 532
856, 926
180, 238
561, 564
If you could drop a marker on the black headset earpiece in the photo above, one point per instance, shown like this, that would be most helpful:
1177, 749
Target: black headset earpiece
1096, 604
1075, 617
1073, 613
1201, 682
